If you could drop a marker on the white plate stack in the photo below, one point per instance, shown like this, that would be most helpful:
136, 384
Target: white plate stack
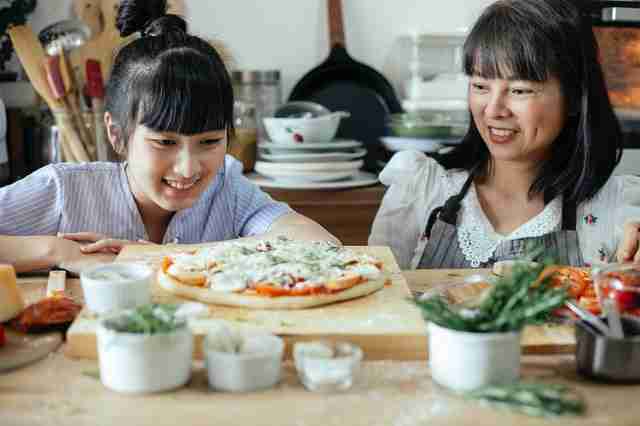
330, 165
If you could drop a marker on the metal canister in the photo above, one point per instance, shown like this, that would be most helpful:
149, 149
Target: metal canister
261, 88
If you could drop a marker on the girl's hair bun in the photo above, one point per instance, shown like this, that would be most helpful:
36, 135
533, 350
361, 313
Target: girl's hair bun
147, 17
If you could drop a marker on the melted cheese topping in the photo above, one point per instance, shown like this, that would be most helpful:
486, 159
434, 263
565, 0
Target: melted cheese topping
280, 262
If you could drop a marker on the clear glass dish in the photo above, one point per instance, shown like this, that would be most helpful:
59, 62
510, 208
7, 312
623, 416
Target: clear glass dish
325, 366
620, 282
429, 124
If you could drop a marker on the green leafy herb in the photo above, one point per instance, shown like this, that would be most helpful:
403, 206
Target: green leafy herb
511, 303
534, 399
147, 319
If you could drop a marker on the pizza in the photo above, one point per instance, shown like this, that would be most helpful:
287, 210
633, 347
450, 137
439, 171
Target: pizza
271, 274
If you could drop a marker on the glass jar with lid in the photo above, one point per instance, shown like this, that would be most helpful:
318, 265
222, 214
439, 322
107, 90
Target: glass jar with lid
243, 143
261, 88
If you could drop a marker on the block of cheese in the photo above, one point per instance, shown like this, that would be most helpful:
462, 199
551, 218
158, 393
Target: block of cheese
11, 302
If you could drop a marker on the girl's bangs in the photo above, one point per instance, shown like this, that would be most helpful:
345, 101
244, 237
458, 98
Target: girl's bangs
184, 99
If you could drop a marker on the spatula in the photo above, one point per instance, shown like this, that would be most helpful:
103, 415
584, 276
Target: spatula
31, 55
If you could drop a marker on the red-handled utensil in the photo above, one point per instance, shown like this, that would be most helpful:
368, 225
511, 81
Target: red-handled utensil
56, 85
95, 90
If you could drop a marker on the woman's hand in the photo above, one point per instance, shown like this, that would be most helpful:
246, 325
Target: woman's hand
99, 243
629, 248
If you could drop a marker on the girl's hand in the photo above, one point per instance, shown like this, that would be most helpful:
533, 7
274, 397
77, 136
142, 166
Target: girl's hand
69, 256
99, 243
629, 248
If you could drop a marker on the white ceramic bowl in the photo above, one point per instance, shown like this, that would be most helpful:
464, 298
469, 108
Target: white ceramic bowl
116, 286
296, 131
463, 361
142, 363
257, 365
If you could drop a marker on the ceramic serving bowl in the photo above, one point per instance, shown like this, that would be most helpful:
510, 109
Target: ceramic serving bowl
463, 361
242, 361
116, 286
143, 363
294, 131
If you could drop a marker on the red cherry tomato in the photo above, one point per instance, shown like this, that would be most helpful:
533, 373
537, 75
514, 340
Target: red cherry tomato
625, 299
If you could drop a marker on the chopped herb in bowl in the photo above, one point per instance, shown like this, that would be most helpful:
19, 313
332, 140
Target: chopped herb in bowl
147, 319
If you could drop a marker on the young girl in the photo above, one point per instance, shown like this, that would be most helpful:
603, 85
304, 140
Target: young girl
169, 106
536, 164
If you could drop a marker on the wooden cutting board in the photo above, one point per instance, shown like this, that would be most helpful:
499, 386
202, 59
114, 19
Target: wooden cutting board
385, 324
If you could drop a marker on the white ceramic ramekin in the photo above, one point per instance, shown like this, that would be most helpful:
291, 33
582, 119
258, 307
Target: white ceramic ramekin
257, 365
142, 363
116, 286
463, 361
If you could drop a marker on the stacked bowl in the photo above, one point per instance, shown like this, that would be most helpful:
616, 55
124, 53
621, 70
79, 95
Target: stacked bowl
426, 130
302, 146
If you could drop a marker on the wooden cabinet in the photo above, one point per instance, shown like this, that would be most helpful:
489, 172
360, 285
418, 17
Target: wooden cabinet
347, 214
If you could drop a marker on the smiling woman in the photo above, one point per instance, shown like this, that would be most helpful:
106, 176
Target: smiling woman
169, 107
536, 163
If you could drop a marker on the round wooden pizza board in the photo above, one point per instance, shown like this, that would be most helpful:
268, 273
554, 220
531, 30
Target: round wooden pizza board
22, 349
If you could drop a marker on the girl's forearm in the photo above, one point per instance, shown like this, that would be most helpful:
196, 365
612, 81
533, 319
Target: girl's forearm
28, 253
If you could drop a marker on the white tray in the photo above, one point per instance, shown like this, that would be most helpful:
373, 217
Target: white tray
359, 179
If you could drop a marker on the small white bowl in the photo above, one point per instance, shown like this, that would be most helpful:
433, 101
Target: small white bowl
116, 286
463, 361
143, 363
296, 131
253, 362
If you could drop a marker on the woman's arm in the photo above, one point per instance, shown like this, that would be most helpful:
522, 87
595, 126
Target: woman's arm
34, 253
298, 227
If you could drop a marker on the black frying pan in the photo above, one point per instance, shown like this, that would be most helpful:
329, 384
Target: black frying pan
341, 83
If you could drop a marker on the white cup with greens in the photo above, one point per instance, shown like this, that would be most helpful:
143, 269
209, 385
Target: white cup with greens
477, 344
147, 349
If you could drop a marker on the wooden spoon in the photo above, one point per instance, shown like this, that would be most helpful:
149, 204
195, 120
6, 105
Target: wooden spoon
32, 56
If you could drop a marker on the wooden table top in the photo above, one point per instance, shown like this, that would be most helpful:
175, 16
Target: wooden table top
63, 391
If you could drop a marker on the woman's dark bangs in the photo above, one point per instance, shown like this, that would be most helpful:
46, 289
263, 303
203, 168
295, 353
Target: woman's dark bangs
183, 98
497, 49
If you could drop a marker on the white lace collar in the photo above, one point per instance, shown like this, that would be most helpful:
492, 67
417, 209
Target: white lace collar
476, 235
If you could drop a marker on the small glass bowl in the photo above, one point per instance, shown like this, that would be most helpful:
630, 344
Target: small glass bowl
324, 366
429, 124
620, 282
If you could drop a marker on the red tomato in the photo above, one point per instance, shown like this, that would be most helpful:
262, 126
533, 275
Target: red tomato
3, 338
625, 299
